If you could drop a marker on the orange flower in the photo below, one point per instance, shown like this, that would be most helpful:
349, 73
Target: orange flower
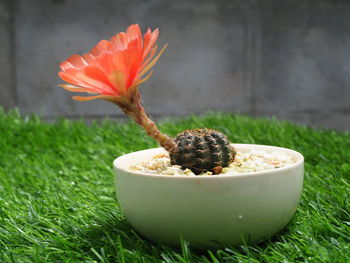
113, 69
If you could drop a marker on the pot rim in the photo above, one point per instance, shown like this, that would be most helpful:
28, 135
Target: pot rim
297, 155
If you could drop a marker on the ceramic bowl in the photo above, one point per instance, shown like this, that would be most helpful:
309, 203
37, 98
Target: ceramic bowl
209, 211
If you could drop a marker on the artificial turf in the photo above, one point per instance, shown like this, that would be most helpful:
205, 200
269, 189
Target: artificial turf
58, 201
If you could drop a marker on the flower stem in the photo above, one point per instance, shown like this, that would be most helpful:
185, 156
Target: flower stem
152, 130
132, 107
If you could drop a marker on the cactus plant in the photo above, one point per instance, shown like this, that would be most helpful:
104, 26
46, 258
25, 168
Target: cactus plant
113, 71
201, 150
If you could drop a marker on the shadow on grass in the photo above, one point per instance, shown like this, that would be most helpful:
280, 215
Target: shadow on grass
114, 239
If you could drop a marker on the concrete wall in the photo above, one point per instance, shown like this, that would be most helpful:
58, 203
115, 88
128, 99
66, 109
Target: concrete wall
289, 59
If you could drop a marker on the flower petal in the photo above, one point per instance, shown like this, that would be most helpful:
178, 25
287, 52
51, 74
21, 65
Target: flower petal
119, 41
153, 52
96, 85
105, 63
118, 79
119, 59
102, 47
73, 88
149, 41
66, 65
77, 61
140, 81
96, 73
70, 78
133, 64
104, 97
134, 33
154, 61
89, 58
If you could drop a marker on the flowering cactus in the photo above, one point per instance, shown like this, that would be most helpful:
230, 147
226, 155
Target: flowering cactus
113, 71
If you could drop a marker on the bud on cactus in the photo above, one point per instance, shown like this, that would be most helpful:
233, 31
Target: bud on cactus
201, 150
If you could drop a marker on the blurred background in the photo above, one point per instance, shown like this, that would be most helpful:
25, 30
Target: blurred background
289, 59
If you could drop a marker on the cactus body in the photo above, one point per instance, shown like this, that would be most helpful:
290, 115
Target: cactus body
201, 150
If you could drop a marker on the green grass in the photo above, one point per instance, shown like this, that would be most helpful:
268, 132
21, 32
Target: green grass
58, 202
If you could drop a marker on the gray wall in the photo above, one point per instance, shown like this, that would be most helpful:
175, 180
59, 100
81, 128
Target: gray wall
289, 59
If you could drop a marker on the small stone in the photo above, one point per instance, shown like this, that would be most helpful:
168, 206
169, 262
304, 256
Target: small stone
225, 170
168, 172
161, 155
217, 169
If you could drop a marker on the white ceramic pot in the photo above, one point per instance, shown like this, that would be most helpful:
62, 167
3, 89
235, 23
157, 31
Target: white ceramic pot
209, 211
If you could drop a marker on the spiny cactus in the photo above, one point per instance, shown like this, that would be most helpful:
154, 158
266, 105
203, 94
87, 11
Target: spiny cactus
201, 150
